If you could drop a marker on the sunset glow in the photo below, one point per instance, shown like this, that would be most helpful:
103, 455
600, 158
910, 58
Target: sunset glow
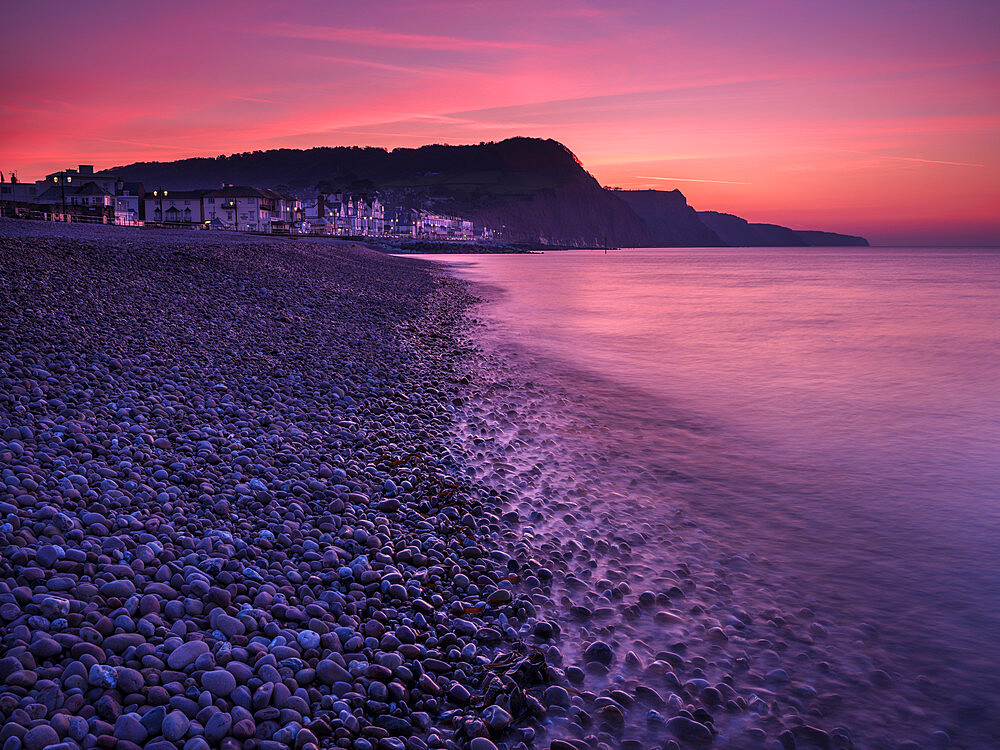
883, 122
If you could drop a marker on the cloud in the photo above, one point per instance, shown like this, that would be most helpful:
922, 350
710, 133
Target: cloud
916, 159
382, 38
934, 161
691, 179
252, 99
371, 64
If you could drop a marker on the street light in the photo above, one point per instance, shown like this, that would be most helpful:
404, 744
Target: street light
236, 217
160, 194
62, 192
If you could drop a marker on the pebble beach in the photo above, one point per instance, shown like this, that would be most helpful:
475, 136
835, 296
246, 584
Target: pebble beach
272, 493
229, 514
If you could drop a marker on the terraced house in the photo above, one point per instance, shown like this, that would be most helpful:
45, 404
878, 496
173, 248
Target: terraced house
250, 209
348, 214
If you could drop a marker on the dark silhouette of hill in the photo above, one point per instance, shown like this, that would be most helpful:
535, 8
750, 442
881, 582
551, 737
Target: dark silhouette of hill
531, 189
815, 238
737, 232
536, 189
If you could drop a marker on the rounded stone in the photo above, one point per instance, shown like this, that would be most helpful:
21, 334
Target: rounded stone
175, 725
599, 652
219, 682
185, 654
39, 737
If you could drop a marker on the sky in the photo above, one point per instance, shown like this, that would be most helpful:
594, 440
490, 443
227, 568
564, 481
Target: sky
877, 118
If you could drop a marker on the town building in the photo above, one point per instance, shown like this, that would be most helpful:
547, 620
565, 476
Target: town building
69, 187
286, 211
402, 222
420, 223
83, 200
82, 192
177, 207
16, 191
74, 177
130, 206
347, 214
245, 209
442, 226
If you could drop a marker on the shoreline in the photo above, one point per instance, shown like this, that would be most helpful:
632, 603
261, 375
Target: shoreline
457, 247
684, 603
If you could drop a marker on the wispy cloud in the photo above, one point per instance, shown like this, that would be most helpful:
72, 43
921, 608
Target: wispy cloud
371, 64
721, 88
252, 99
933, 161
383, 38
691, 179
471, 121
143, 144
915, 159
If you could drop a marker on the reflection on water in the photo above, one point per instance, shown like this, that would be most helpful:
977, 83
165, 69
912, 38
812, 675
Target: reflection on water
836, 410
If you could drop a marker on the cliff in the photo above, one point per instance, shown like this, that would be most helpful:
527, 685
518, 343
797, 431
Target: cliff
737, 232
669, 218
815, 238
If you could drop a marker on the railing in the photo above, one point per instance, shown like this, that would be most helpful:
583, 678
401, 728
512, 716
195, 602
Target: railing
15, 212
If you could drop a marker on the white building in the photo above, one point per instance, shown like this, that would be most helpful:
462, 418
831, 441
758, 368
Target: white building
245, 209
182, 207
129, 208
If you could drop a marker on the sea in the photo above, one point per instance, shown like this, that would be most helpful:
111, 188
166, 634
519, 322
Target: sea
833, 411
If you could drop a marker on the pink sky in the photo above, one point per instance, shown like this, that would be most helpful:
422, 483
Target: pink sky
875, 118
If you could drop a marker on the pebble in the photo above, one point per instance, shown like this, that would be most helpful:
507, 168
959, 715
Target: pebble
308, 639
175, 725
496, 718
219, 682
39, 737
129, 729
102, 676
689, 730
599, 652
186, 653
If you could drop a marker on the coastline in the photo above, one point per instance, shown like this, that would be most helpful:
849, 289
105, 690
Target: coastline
386, 524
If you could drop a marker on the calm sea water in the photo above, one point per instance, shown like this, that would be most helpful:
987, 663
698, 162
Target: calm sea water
839, 412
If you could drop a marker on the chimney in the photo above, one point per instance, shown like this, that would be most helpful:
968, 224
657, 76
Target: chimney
86, 169
321, 205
